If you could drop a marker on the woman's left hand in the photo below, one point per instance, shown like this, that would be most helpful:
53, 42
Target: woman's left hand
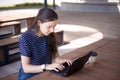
61, 61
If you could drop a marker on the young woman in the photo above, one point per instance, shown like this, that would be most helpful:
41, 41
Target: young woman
38, 47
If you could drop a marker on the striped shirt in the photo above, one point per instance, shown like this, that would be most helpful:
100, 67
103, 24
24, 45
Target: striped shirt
35, 47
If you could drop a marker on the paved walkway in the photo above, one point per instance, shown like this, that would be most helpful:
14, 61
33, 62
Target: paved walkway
80, 29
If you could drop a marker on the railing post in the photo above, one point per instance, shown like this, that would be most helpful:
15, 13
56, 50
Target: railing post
45, 4
53, 4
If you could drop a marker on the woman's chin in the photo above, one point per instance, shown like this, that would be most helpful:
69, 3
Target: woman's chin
46, 34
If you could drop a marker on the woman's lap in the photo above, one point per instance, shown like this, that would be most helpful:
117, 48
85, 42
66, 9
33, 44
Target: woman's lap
24, 76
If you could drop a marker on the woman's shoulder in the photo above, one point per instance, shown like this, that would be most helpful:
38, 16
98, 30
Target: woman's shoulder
26, 35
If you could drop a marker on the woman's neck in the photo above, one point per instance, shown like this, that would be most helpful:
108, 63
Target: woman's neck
39, 33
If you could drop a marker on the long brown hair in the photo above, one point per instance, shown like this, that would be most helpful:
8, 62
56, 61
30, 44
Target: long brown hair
46, 15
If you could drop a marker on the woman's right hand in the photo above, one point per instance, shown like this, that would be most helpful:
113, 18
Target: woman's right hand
55, 66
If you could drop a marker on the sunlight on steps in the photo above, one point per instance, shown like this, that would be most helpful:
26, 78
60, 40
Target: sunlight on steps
79, 42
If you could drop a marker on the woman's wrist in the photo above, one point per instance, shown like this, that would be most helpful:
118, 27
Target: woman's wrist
43, 67
47, 67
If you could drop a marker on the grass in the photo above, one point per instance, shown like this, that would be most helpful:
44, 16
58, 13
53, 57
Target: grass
25, 5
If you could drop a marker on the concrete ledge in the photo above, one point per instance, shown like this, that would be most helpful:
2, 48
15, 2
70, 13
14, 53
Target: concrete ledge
90, 7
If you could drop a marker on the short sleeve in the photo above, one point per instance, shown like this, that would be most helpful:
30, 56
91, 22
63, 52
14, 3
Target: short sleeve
24, 45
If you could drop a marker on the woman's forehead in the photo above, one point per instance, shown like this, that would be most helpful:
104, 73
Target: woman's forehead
51, 23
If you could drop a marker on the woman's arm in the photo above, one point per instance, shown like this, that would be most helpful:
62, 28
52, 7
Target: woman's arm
29, 68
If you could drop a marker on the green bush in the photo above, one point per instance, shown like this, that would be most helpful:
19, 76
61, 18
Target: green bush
25, 5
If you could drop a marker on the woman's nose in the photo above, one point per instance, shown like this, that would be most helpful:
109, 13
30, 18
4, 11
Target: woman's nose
52, 30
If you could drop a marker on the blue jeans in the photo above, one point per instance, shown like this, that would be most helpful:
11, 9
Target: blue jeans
24, 76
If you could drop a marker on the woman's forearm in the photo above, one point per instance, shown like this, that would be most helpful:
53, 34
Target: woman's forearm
28, 68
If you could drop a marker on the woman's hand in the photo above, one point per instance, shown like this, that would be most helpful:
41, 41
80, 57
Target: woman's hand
61, 61
55, 66
58, 65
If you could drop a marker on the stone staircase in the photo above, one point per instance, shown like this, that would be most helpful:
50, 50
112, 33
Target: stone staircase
92, 6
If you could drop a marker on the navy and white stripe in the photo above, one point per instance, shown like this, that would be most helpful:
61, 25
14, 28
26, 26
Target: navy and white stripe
35, 47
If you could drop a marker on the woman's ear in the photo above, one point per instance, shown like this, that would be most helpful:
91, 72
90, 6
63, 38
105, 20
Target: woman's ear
38, 22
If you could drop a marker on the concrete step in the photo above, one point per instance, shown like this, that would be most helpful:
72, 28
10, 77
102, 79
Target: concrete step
100, 1
91, 6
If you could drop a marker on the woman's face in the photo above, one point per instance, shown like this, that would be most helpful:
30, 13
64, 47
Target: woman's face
47, 27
